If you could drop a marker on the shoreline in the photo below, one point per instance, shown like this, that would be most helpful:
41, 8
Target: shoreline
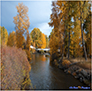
83, 75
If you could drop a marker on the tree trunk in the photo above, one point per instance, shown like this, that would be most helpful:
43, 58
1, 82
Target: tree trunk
69, 37
69, 45
83, 43
63, 40
63, 46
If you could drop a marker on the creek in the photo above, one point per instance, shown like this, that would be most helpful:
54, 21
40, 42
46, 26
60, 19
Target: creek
45, 75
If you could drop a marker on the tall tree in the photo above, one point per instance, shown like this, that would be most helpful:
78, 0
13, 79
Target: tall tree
55, 34
63, 19
4, 35
84, 10
43, 41
21, 23
67, 20
12, 39
36, 36
73, 9
53, 43
47, 41
28, 43
87, 28
69, 9
65, 15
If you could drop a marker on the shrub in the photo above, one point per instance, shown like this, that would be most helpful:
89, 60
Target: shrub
15, 67
66, 63
56, 63
28, 54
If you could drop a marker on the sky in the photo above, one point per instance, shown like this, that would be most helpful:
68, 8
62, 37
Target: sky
38, 13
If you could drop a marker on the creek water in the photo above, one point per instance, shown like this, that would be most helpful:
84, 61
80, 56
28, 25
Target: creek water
45, 76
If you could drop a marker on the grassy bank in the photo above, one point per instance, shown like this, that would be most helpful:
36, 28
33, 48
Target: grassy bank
78, 67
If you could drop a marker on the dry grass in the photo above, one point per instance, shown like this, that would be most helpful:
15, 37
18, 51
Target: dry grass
80, 60
83, 63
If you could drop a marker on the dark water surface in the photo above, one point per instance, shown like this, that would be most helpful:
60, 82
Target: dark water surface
43, 75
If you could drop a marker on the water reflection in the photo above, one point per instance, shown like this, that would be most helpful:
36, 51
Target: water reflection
42, 58
46, 76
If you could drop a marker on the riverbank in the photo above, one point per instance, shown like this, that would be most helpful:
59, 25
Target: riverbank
79, 69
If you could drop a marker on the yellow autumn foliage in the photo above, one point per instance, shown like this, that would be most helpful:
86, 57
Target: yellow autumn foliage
43, 41
12, 39
66, 63
21, 23
4, 35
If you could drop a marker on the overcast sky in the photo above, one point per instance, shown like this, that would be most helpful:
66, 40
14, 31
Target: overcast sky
38, 12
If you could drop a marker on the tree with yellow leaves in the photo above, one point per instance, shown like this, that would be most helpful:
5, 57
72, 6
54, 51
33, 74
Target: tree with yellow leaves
4, 35
55, 34
53, 44
36, 36
28, 43
83, 12
67, 20
22, 23
47, 41
43, 41
87, 27
12, 39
